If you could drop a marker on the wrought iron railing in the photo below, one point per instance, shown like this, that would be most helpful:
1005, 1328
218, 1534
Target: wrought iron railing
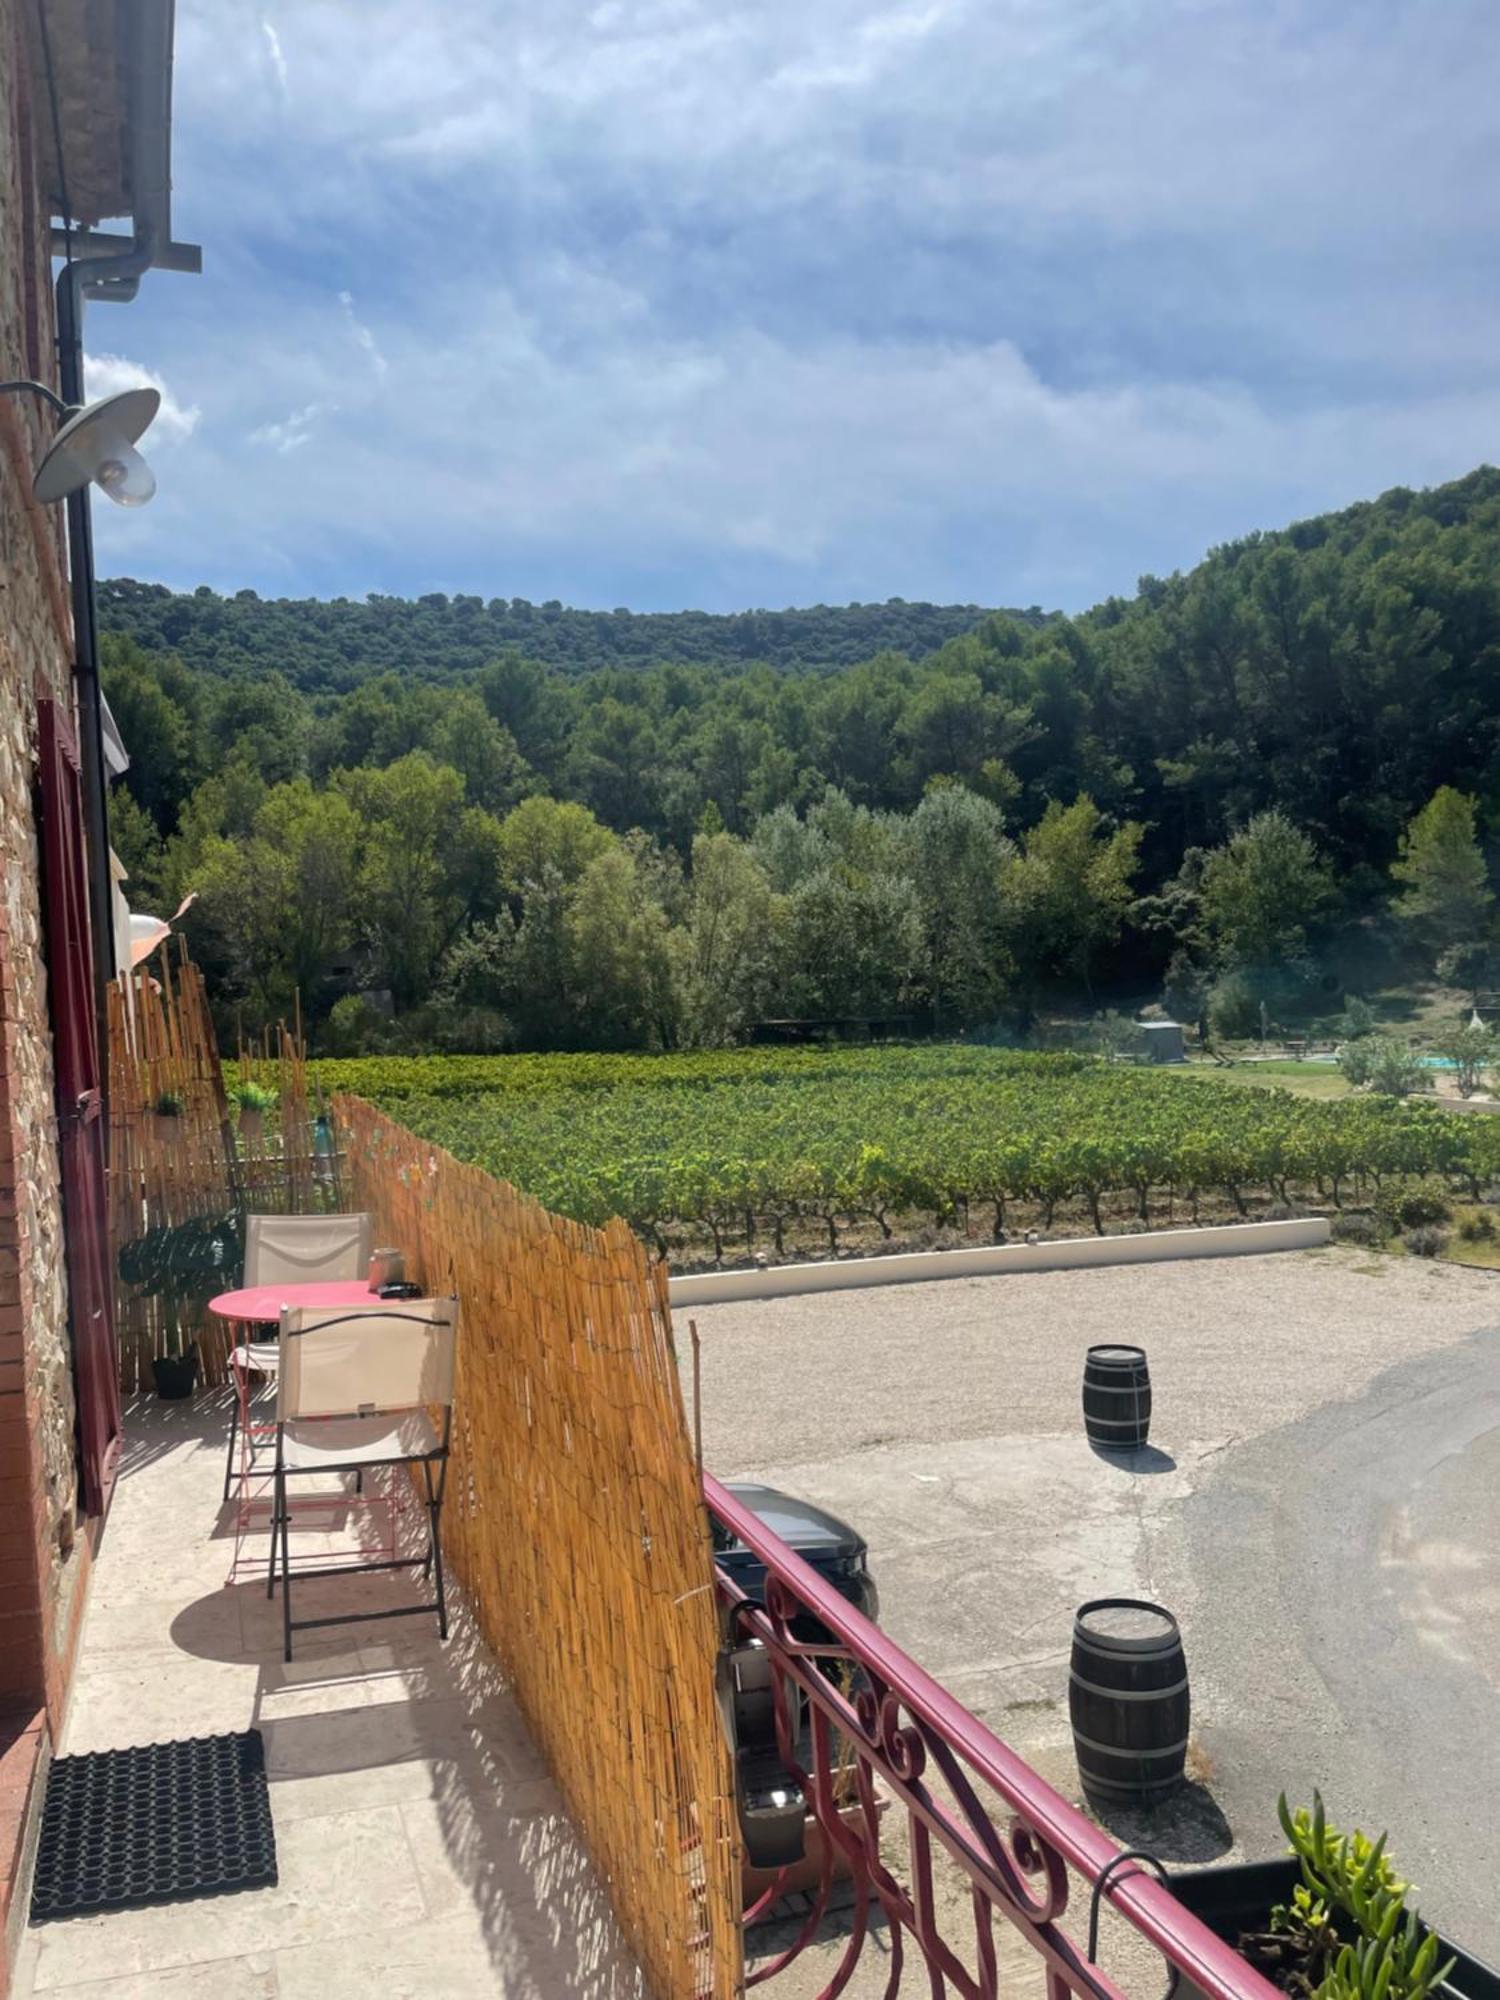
878, 1728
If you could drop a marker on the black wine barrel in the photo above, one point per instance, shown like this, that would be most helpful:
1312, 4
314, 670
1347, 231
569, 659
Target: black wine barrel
1116, 1397
1128, 1701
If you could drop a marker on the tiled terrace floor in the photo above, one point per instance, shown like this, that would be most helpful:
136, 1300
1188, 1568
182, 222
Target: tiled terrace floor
422, 1847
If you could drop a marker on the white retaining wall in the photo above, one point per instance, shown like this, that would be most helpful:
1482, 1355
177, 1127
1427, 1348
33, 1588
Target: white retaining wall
1235, 1239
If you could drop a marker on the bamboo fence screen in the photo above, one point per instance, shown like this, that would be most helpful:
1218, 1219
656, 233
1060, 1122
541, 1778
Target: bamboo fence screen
165, 1170
575, 1522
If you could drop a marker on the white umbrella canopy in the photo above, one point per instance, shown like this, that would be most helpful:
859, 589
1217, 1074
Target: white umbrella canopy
146, 933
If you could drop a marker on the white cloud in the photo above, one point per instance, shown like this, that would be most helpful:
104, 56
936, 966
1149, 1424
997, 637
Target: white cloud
294, 429
998, 299
362, 334
277, 56
110, 374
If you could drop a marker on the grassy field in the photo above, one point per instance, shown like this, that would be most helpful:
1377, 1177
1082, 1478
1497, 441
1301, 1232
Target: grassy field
1303, 1079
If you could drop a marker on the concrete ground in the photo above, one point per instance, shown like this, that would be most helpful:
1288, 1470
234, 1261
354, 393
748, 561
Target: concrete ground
1319, 1505
422, 1849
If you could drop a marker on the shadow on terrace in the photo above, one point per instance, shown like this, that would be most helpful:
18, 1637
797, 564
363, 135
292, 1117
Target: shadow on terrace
421, 1844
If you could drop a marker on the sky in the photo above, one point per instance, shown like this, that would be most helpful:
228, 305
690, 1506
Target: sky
731, 303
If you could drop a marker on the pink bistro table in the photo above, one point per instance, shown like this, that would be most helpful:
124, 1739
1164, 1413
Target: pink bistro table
255, 1306
261, 1304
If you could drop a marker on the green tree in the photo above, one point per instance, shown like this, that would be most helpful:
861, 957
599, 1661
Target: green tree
543, 837
141, 849
1447, 894
1471, 1048
465, 736
622, 987
528, 702
1068, 890
157, 709
428, 865
280, 903
1260, 892
956, 852
728, 940
852, 945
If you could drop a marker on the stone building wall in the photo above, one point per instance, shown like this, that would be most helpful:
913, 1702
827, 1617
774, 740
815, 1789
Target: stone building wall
39, 1552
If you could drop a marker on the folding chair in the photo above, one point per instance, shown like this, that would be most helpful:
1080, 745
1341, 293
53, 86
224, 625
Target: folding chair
287, 1250
355, 1391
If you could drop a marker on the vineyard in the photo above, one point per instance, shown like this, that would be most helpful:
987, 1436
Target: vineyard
782, 1151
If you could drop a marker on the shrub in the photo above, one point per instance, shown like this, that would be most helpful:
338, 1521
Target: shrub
1469, 966
1359, 1227
1478, 1228
1185, 988
454, 1030
1422, 1206
1386, 1066
1115, 1036
354, 1028
1358, 1019
1471, 1050
1428, 1241
1234, 1008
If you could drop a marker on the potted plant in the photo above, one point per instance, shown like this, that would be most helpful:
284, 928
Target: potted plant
253, 1100
183, 1265
167, 1109
1330, 1921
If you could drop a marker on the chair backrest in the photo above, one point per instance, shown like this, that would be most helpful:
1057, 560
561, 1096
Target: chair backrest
305, 1249
393, 1356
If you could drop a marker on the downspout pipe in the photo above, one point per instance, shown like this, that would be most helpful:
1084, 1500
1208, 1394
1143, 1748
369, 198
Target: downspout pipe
116, 277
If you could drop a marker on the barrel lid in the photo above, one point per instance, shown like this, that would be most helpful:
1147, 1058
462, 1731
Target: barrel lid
1126, 1625
1114, 1355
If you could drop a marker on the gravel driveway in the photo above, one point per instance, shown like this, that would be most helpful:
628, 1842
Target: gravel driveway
1320, 1507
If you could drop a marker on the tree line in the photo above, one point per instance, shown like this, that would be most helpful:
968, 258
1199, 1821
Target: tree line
1197, 785
331, 646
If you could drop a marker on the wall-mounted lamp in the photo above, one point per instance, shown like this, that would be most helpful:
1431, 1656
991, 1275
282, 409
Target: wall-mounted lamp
96, 442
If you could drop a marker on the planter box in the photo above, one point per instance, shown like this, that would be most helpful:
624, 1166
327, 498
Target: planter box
1240, 1896
805, 1875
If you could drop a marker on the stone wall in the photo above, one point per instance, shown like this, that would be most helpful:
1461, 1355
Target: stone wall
39, 1553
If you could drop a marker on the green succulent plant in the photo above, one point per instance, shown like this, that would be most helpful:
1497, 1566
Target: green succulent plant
1350, 1876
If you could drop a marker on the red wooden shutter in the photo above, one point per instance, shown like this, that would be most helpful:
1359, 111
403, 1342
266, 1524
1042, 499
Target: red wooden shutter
80, 1122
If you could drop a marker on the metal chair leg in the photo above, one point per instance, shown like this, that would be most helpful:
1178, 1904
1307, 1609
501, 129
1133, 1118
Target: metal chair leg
234, 1424
278, 1501
435, 1547
286, 1570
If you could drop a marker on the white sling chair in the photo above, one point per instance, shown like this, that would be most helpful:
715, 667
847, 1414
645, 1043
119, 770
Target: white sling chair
289, 1250
356, 1390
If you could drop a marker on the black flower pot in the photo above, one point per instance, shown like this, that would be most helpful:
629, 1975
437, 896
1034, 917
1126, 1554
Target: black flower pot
175, 1375
1238, 1896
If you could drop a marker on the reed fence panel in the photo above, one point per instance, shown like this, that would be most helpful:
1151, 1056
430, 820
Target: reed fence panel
576, 1524
167, 1168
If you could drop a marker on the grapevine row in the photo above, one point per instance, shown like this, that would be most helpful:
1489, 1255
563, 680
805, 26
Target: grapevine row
741, 1145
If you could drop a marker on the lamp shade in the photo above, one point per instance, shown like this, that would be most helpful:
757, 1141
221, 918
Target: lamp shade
98, 443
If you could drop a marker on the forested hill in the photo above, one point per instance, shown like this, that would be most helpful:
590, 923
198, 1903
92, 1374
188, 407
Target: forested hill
1213, 779
332, 646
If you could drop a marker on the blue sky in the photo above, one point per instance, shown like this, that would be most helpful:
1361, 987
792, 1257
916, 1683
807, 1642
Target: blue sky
701, 302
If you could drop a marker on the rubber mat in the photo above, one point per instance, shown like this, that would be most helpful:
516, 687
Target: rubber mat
157, 1824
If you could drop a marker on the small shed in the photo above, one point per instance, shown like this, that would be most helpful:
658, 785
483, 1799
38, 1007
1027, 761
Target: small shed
1162, 1041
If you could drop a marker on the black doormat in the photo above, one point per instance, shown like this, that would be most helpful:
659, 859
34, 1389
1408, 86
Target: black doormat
157, 1824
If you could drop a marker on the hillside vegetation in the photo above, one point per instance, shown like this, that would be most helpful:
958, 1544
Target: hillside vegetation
537, 828
324, 647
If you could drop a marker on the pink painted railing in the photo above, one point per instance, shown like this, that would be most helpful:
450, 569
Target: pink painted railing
1012, 1839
